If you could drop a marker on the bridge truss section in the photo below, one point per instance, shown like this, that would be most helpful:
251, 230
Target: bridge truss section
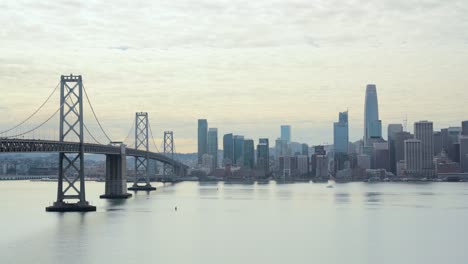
168, 169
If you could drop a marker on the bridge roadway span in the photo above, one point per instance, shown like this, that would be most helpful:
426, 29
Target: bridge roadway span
32, 145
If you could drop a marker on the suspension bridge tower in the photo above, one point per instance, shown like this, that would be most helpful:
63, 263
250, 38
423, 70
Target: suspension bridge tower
71, 182
168, 172
142, 181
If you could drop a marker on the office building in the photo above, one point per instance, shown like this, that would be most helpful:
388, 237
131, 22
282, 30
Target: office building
437, 142
202, 139
341, 133
305, 149
238, 150
372, 123
249, 154
263, 155
413, 157
400, 145
423, 131
286, 133
213, 145
228, 149
463, 153
392, 131
381, 156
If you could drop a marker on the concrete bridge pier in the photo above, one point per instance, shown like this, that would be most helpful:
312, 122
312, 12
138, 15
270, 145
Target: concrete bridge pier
116, 176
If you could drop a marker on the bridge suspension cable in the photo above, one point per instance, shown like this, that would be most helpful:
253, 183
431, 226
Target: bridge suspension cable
34, 113
94, 114
36, 127
130, 132
152, 137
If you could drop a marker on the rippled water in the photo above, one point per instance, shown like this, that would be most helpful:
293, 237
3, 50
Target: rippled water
228, 223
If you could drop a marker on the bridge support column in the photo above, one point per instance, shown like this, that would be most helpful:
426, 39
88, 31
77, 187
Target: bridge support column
116, 176
71, 182
141, 163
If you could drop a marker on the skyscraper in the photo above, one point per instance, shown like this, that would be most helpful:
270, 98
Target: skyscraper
464, 131
341, 133
202, 139
213, 145
423, 130
263, 156
393, 130
286, 133
238, 150
413, 157
372, 124
249, 154
228, 149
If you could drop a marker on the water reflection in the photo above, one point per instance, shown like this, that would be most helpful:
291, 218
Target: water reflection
373, 197
342, 198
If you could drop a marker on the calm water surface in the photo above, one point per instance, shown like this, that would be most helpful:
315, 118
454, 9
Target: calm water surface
228, 223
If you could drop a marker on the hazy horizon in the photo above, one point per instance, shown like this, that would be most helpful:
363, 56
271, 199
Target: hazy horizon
247, 67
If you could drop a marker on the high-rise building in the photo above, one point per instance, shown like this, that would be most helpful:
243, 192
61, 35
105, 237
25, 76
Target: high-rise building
363, 161
372, 124
392, 131
423, 131
249, 154
202, 139
437, 142
238, 151
464, 153
263, 158
381, 156
453, 134
286, 133
213, 145
302, 165
341, 133
228, 149
464, 131
400, 145
413, 157
281, 148
305, 149
321, 170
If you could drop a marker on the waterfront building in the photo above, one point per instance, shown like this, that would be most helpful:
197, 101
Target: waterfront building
263, 155
423, 131
400, 145
228, 149
363, 161
341, 133
305, 149
238, 150
381, 156
392, 131
302, 165
249, 154
413, 157
464, 153
437, 142
202, 139
372, 124
212, 139
321, 170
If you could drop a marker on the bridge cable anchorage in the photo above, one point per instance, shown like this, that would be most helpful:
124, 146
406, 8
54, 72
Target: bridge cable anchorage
152, 137
94, 114
38, 126
34, 113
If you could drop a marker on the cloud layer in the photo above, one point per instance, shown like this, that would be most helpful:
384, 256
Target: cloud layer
246, 66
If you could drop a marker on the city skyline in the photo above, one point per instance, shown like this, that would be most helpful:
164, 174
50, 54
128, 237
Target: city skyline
415, 52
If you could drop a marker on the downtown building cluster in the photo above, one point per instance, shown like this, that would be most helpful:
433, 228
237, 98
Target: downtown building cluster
423, 154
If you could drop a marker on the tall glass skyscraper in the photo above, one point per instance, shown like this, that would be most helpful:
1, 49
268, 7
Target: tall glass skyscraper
286, 133
228, 149
372, 124
213, 145
341, 133
238, 151
202, 139
249, 154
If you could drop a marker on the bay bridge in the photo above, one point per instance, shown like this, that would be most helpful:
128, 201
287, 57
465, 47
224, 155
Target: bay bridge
71, 146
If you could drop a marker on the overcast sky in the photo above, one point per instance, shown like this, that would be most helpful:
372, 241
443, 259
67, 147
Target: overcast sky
246, 66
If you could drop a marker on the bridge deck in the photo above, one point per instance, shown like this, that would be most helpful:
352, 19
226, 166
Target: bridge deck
32, 145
